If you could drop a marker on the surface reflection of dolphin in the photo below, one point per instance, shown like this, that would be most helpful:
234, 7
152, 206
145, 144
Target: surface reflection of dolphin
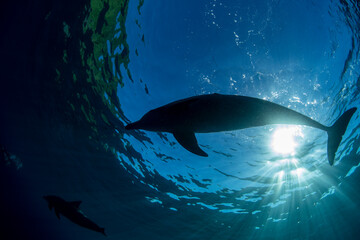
71, 211
217, 112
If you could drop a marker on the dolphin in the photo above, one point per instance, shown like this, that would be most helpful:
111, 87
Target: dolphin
71, 211
218, 112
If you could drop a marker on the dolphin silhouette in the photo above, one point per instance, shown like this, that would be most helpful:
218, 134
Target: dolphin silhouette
71, 211
217, 112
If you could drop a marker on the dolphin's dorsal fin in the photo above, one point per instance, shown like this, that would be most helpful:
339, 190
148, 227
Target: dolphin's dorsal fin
189, 142
57, 213
75, 204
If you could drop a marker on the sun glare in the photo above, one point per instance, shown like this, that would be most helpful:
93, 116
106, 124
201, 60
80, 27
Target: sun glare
284, 140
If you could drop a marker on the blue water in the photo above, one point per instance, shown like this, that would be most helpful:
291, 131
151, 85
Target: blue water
62, 129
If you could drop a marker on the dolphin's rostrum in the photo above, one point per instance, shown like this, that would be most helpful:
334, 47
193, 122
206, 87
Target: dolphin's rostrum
217, 112
71, 211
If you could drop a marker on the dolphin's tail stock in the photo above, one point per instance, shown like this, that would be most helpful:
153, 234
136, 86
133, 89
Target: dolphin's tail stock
335, 133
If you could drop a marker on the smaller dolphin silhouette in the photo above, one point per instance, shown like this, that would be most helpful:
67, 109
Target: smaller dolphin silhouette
217, 112
71, 211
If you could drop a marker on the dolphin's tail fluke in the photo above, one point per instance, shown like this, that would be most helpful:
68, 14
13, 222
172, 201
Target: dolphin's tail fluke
335, 133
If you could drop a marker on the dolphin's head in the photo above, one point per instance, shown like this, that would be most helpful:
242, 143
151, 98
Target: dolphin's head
151, 121
134, 125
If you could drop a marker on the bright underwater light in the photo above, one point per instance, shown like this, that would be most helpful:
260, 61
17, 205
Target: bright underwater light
299, 172
283, 140
279, 175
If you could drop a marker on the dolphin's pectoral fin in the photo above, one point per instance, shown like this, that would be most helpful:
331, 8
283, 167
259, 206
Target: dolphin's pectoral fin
57, 214
189, 142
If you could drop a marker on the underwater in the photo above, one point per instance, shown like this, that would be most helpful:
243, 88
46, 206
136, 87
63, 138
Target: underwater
207, 119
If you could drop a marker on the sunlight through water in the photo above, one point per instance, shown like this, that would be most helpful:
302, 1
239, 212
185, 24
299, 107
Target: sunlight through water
83, 71
284, 140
